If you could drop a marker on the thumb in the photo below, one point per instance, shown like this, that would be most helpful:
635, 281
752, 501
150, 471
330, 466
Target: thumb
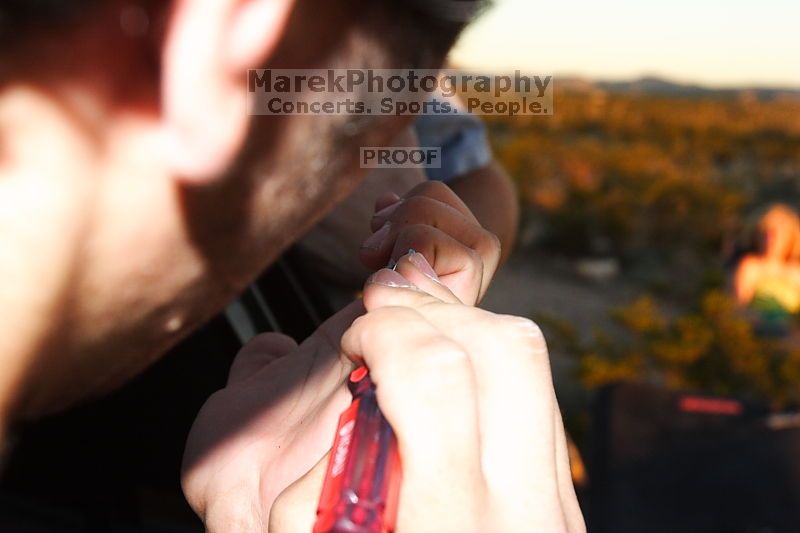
388, 288
259, 352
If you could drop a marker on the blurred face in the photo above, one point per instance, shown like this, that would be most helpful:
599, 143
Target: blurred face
139, 196
778, 231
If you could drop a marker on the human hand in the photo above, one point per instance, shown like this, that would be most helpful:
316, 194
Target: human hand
434, 221
332, 247
468, 392
470, 396
269, 426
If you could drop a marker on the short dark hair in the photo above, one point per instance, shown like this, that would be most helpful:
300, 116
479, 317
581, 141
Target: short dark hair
419, 32
19, 17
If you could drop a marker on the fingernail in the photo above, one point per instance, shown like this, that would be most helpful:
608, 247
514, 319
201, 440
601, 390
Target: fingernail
390, 278
419, 261
375, 240
386, 212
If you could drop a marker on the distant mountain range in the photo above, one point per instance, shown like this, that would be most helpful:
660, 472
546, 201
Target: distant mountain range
662, 87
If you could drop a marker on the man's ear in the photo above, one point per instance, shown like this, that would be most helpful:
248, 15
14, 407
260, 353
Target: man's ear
209, 46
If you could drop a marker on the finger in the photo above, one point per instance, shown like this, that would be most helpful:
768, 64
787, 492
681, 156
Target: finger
331, 331
512, 370
388, 288
436, 190
426, 390
259, 352
415, 268
458, 267
423, 210
516, 403
440, 191
517, 412
385, 200
393, 240
421, 207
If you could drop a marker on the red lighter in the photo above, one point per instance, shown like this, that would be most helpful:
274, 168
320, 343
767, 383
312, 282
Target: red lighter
363, 479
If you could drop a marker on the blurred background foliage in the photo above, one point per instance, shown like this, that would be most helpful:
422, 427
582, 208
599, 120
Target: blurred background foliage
666, 187
711, 348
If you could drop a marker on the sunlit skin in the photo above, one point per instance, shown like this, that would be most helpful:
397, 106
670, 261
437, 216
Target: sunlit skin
334, 246
455, 382
138, 196
126, 219
779, 259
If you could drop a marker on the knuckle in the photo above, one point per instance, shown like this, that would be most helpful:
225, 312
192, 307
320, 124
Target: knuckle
492, 241
376, 326
419, 209
431, 364
434, 187
416, 203
441, 357
474, 255
362, 321
365, 326
378, 319
414, 233
488, 243
526, 325
524, 334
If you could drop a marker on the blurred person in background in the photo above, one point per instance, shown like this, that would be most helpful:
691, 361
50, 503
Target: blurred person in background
768, 282
140, 197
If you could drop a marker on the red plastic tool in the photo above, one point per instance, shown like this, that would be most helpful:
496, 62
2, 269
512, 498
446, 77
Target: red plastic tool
362, 483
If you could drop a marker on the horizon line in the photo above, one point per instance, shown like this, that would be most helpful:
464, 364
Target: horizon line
712, 86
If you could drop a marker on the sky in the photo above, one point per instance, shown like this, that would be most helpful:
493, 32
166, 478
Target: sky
711, 42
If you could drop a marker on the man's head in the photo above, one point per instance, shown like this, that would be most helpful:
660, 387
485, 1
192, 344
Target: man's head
138, 194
